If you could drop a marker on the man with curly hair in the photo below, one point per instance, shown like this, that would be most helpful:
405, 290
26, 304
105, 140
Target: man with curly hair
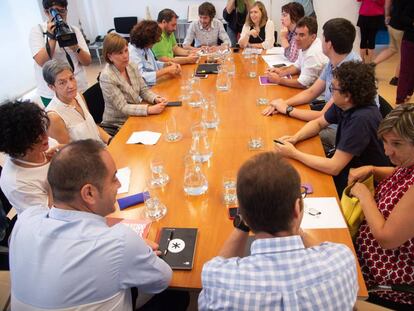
353, 90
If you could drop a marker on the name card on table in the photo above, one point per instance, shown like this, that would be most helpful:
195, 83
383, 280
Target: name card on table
144, 137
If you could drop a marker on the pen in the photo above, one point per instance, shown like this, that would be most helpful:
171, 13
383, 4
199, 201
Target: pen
168, 242
278, 142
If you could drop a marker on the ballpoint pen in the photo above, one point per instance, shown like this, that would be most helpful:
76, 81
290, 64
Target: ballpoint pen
168, 242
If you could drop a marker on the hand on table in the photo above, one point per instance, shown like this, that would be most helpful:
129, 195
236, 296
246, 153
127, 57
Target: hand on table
154, 246
287, 150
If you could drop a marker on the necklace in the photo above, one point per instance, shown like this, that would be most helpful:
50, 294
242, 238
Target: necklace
32, 163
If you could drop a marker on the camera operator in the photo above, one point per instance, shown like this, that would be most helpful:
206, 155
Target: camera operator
44, 46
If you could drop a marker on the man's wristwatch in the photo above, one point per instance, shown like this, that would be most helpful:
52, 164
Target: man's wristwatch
239, 224
289, 110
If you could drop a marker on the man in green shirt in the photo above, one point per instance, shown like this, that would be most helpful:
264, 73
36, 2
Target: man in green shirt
166, 49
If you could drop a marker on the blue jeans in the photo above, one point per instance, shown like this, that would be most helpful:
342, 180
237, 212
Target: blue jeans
233, 36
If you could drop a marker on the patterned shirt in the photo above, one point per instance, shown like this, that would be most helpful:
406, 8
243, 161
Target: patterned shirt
388, 266
146, 63
121, 98
292, 51
281, 274
207, 36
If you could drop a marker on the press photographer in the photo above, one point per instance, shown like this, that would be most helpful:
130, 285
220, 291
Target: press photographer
55, 39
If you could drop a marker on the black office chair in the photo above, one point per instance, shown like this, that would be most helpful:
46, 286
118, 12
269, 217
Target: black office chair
384, 107
276, 44
123, 25
6, 226
95, 102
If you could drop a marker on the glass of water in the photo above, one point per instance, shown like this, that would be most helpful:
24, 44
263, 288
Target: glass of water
229, 189
256, 140
154, 208
223, 82
252, 66
159, 177
209, 117
172, 134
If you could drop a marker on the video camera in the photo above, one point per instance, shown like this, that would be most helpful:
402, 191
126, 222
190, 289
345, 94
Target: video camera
63, 34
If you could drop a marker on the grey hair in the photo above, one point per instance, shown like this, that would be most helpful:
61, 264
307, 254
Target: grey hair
52, 68
400, 121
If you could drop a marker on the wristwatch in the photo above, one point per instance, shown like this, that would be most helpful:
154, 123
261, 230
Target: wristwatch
289, 110
239, 224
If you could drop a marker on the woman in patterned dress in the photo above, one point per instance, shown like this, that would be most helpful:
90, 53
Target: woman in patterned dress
385, 240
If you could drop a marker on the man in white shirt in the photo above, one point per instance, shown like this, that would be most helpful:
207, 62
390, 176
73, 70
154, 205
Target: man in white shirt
66, 257
44, 46
207, 30
310, 62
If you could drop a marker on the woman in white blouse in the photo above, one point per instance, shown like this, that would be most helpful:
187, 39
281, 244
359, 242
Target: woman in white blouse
69, 116
258, 31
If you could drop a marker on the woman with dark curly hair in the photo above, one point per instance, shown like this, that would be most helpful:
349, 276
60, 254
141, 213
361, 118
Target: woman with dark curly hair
353, 89
143, 36
24, 139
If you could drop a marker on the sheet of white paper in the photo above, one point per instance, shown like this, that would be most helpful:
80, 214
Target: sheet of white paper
124, 175
322, 213
252, 51
144, 137
276, 59
275, 50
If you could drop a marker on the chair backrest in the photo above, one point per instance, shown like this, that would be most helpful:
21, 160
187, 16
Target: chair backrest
95, 102
384, 107
123, 25
275, 34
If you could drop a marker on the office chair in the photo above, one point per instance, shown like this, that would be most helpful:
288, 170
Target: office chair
95, 102
123, 25
6, 226
384, 107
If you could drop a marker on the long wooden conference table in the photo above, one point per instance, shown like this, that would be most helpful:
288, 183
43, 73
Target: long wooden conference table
239, 116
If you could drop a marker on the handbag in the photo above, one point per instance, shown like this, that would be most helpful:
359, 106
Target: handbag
351, 207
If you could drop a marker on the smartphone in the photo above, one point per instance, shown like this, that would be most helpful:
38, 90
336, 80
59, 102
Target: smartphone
233, 212
201, 75
278, 142
174, 104
279, 65
236, 50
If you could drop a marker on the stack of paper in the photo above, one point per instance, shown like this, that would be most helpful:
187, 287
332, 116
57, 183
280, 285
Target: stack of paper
123, 175
278, 50
322, 213
144, 137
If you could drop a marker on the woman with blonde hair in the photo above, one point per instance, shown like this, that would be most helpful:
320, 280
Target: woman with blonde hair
123, 88
259, 30
385, 240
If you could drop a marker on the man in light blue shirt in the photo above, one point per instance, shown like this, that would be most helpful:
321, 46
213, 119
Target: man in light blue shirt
67, 257
285, 270
207, 30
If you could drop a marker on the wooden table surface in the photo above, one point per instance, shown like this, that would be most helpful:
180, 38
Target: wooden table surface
239, 116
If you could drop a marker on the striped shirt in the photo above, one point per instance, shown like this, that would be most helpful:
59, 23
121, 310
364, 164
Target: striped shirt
207, 36
281, 274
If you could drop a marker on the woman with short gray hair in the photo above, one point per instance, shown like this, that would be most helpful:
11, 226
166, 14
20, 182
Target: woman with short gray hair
69, 117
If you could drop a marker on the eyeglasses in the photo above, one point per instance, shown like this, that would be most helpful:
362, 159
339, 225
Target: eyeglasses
332, 88
303, 191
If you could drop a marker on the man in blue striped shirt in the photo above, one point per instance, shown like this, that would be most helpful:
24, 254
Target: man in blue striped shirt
285, 270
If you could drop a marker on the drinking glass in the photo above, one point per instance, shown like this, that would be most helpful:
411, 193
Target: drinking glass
252, 66
223, 82
229, 189
195, 98
154, 208
172, 134
256, 140
185, 88
159, 177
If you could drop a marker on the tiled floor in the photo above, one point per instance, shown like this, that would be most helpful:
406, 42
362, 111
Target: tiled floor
385, 71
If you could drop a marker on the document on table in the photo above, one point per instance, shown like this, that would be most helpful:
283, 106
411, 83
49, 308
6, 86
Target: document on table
252, 51
275, 50
276, 59
123, 175
322, 213
144, 137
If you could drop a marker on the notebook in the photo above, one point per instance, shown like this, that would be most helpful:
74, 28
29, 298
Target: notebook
177, 246
207, 68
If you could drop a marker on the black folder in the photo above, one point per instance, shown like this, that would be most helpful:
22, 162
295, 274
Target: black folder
207, 68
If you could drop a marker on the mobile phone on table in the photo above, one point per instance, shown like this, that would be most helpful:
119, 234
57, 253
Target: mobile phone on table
233, 212
236, 50
174, 104
201, 75
279, 65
